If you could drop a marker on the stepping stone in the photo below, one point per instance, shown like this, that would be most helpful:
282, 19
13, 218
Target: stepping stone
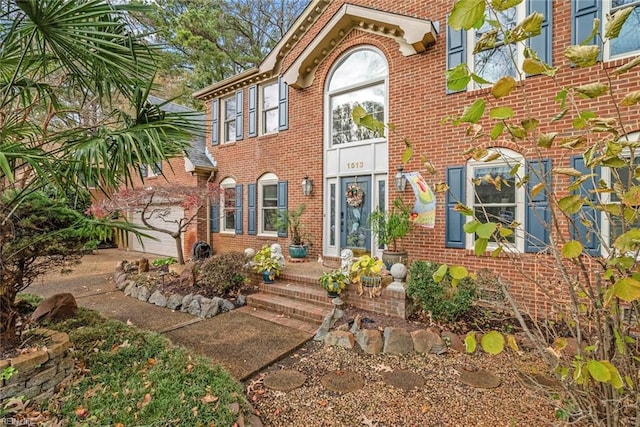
342, 381
480, 379
284, 380
403, 379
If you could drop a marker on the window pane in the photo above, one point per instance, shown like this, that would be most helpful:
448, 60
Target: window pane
332, 215
230, 131
229, 220
360, 67
487, 192
268, 219
629, 38
270, 96
229, 108
270, 121
343, 129
229, 197
495, 63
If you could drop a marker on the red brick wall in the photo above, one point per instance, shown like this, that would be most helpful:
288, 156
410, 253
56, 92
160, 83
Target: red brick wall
417, 104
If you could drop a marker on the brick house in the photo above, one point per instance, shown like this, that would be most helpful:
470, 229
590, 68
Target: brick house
288, 120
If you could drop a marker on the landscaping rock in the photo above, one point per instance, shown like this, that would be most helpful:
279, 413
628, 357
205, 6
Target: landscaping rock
187, 275
328, 322
186, 302
143, 293
209, 307
194, 308
241, 301
123, 284
424, 340
370, 341
56, 307
143, 265
226, 305
131, 290
397, 341
357, 324
341, 339
455, 343
119, 277
174, 301
158, 299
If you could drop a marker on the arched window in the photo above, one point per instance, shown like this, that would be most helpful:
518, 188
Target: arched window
495, 195
267, 204
228, 205
359, 79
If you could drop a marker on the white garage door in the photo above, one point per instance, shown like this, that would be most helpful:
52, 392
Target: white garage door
165, 245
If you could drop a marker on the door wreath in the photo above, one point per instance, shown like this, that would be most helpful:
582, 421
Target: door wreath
355, 195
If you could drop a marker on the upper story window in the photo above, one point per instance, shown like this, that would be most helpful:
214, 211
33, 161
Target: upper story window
628, 42
359, 79
267, 204
151, 171
228, 205
229, 119
495, 196
492, 64
269, 108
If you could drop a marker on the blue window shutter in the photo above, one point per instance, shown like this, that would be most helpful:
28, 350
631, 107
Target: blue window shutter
253, 111
454, 232
537, 214
239, 112
238, 212
583, 12
251, 210
456, 49
215, 215
215, 131
283, 105
282, 204
542, 43
586, 224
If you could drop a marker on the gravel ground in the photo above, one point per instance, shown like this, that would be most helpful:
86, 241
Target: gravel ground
443, 400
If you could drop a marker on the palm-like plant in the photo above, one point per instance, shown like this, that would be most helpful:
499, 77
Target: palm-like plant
74, 80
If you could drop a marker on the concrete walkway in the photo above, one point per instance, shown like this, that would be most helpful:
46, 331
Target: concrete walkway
242, 343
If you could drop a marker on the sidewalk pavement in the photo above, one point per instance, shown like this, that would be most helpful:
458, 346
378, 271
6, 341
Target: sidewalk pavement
241, 343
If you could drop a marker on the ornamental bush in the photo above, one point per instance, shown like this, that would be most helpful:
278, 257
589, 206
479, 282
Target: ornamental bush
442, 299
224, 273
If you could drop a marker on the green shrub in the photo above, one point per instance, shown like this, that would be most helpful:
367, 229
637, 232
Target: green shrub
444, 301
223, 273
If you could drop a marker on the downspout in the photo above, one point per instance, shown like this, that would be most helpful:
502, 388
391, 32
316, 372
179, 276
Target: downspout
212, 175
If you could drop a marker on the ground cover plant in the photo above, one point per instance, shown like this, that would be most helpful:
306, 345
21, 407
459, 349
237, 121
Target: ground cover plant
125, 376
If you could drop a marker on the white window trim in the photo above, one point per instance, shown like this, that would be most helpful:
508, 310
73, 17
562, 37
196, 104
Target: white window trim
521, 13
605, 175
226, 184
373, 82
261, 110
266, 179
606, 11
509, 158
224, 121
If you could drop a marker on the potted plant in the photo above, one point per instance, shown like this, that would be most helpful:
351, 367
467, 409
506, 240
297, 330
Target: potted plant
333, 282
366, 273
266, 265
291, 220
389, 228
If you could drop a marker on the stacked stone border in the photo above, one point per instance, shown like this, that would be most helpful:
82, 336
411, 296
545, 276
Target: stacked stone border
196, 305
38, 373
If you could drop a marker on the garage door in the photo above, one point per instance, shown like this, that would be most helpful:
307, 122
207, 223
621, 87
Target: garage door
165, 245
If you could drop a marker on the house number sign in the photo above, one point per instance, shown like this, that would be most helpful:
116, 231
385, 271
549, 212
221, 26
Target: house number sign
355, 165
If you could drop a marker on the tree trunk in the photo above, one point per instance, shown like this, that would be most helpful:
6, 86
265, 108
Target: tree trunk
178, 240
7, 315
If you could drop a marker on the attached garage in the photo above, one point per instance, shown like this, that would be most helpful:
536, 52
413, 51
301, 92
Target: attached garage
163, 217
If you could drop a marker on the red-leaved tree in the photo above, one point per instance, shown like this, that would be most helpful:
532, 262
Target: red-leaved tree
156, 203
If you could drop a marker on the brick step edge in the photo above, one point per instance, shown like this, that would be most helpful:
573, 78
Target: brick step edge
296, 309
305, 293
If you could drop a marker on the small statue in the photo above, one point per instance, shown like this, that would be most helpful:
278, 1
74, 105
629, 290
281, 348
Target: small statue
276, 253
347, 260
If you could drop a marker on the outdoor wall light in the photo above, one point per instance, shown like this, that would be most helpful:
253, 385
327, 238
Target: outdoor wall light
307, 186
401, 180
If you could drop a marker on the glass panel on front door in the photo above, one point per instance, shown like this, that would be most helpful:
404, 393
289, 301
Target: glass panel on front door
355, 208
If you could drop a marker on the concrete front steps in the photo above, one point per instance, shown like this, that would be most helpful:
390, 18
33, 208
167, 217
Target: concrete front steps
288, 302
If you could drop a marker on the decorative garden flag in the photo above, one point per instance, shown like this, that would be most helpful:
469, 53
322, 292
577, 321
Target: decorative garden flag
424, 210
